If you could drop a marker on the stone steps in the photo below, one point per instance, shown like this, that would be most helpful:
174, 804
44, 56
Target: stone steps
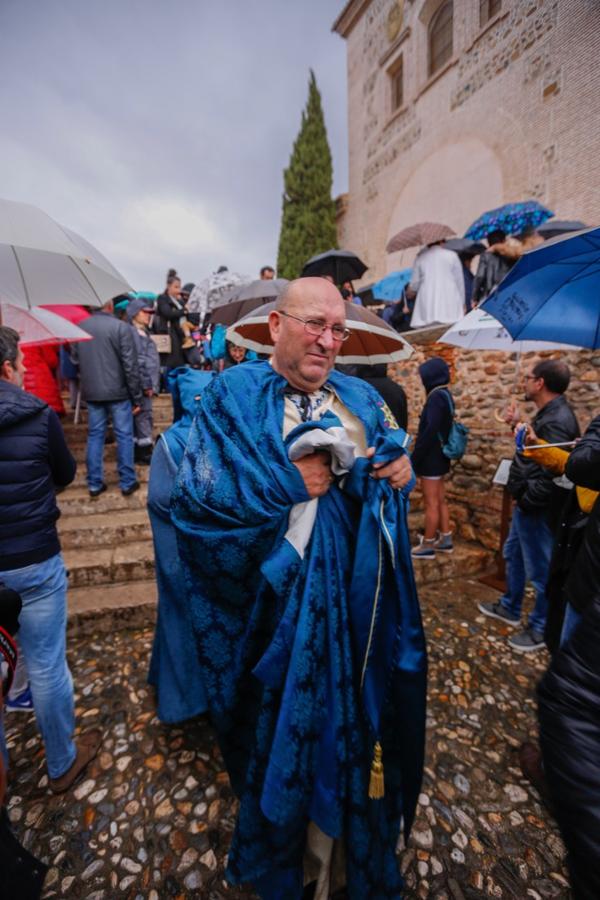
104, 529
131, 561
111, 477
77, 501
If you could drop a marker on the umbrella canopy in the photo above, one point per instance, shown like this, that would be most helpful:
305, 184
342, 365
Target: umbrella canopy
512, 218
390, 288
41, 326
372, 341
341, 265
239, 301
416, 235
74, 314
556, 227
478, 330
209, 291
43, 262
553, 292
465, 245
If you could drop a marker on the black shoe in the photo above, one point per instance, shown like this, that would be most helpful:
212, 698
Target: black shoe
95, 492
131, 490
143, 455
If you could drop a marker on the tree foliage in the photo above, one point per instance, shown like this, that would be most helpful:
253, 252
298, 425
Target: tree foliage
308, 214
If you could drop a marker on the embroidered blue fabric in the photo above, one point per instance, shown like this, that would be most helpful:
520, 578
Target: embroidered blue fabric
306, 661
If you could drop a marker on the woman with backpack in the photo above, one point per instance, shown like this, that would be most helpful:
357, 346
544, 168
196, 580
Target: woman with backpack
430, 462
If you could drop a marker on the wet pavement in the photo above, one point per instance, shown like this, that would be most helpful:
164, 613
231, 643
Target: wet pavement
151, 819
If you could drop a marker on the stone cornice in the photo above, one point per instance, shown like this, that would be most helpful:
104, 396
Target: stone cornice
349, 16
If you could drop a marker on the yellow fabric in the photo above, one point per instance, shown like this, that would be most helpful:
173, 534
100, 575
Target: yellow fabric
555, 459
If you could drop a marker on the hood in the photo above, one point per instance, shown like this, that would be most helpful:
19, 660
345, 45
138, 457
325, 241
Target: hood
434, 372
17, 405
185, 385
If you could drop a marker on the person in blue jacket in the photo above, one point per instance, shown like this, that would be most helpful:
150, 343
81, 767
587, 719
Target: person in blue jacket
428, 460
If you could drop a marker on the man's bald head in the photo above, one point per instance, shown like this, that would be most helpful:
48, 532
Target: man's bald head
299, 293
301, 356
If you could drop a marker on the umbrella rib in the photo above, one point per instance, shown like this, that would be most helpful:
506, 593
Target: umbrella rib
26, 292
91, 286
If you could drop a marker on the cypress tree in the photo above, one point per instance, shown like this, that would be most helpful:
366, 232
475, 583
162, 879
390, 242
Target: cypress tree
308, 215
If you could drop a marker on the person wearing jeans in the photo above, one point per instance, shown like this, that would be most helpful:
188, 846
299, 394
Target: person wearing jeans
34, 461
111, 386
120, 412
538, 503
527, 552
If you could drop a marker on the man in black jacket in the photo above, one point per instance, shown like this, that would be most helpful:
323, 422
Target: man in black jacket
34, 460
111, 385
569, 693
528, 547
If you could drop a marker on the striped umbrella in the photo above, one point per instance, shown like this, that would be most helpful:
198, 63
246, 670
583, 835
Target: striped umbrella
419, 234
372, 341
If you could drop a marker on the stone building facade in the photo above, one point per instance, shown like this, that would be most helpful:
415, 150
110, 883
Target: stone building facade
457, 107
507, 109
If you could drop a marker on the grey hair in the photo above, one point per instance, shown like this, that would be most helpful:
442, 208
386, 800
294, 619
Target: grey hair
9, 345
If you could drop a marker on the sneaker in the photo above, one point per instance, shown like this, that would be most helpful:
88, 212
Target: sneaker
495, 610
444, 543
527, 641
87, 748
425, 549
131, 489
95, 492
23, 702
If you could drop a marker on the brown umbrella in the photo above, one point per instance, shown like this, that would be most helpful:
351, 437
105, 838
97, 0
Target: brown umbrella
372, 341
244, 298
416, 235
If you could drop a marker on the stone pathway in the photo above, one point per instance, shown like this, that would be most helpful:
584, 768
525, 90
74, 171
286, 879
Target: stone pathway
152, 817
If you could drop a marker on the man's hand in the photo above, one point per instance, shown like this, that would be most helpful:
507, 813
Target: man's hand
316, 472
398, 472
511, 414
136, 410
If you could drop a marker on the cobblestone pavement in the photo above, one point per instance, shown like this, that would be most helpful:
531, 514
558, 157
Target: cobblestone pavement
152, 817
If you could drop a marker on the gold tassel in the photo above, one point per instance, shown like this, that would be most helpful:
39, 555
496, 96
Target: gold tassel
376, 786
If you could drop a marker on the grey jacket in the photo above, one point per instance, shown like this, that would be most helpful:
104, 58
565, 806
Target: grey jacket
108, 365
148, 360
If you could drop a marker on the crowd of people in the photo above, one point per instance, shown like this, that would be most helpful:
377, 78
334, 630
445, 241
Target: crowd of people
291, 616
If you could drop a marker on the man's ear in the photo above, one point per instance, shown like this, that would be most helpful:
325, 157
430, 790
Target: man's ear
6, 371
274, 325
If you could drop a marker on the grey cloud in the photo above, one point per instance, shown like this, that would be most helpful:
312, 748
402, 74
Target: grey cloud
117, 114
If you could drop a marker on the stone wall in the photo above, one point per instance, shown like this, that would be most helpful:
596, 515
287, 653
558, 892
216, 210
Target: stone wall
514, 114
483, 383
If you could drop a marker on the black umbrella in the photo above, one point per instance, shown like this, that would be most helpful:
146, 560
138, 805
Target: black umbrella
465, 245
554, 227
341, 265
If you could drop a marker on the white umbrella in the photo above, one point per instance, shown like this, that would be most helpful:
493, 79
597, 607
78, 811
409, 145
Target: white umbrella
40, 326
478, 330
209, 291
44, 262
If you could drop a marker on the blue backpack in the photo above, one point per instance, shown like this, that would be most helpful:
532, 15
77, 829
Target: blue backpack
456, 444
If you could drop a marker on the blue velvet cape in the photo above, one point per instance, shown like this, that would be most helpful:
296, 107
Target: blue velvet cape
305, 661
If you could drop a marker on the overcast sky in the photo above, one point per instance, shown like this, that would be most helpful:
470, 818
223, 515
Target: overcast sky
159, 129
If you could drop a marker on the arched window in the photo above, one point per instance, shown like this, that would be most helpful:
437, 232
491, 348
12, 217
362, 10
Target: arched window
440, 37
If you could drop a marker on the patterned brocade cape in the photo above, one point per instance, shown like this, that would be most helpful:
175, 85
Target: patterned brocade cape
306, 660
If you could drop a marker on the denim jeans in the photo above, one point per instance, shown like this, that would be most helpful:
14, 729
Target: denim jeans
122, 420
527, 552
42, 638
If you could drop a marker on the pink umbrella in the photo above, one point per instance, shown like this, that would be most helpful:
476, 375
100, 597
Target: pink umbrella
40, 326
416, 235
74, 314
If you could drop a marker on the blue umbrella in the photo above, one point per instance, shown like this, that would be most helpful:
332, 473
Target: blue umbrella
512, 218
553, 292
390, 288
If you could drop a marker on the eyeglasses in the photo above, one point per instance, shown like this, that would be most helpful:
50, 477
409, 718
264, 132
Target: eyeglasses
316, 328
531, 377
